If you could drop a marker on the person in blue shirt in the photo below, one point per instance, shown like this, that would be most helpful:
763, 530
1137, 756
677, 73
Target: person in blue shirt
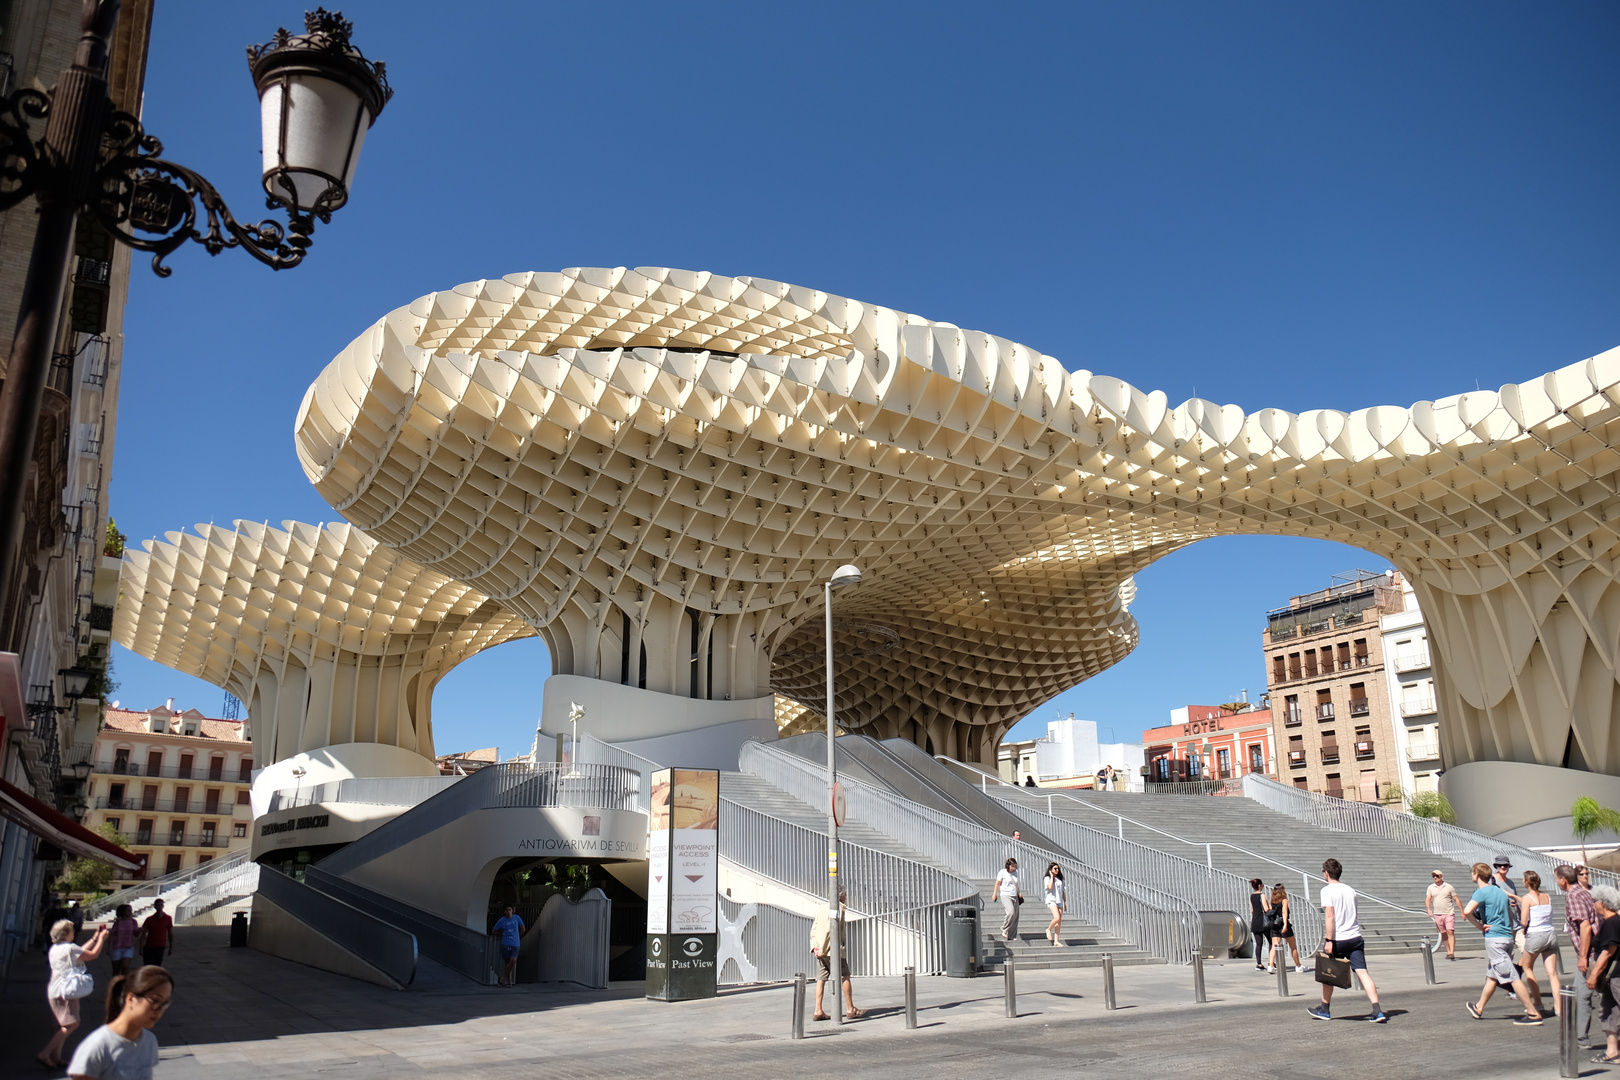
1490, 910
510, 928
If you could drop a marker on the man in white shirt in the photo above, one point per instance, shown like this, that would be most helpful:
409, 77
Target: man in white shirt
1341, 937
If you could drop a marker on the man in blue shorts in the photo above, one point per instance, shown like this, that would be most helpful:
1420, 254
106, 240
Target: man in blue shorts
1488, 909
510, 927
1341, 937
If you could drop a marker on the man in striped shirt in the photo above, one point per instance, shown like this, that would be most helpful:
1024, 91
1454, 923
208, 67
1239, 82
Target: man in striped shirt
1580, 919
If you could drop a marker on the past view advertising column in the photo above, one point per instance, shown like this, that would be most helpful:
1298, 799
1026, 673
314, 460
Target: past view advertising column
683, 854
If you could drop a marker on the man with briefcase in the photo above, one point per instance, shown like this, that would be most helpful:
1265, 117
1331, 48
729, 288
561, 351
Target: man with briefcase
1343, 949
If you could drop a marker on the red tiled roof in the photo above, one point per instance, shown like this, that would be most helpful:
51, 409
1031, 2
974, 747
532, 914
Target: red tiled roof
209, 728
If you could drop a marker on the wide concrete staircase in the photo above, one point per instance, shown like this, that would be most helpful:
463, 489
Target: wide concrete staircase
1250, 840
1084, 944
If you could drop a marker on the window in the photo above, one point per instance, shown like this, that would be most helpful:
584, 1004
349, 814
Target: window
143, 832
1293, 665
149, 797
172, 865
244, 798
1324, 704
1361, 657
1364, 743
116, 823
204, 860
1291, 713
154, 763
1296, 750
1223, 762
216, 767
182, 800
1344, 656
177, 833
1257, 758
239, 829
208, 830
1334, 787
244, 775
1302, 782
211, 801
115, 796
185, 765
1279, 669
1330, 747
120, 761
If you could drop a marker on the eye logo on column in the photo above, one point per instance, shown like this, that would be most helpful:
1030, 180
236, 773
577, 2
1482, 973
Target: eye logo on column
692, 946
658, 946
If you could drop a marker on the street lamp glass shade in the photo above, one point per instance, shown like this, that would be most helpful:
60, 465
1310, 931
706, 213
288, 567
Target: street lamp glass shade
75, 681
848, 574
317, 97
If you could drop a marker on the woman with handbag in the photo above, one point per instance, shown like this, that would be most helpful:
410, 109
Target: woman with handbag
1280, 923
1259, 924
69, 983
1057, 901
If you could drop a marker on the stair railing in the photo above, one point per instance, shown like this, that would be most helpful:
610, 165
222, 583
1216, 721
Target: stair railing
161, 888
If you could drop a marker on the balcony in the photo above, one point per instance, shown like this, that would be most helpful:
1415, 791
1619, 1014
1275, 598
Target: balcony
167, 805
1420, 707
1362, 660
1423, 752
1364, 749
1359, 706
1296, 757
101, 616
1293, 718
1330, 753
1414, 661
171, 839
178, 772
1324, 711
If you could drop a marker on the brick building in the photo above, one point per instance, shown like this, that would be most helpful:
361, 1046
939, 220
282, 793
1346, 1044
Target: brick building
175, 783
1330, 706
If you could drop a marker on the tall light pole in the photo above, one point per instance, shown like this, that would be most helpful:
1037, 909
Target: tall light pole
844, 575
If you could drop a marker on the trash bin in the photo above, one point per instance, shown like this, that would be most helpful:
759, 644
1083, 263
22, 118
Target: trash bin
239, 928
961, 941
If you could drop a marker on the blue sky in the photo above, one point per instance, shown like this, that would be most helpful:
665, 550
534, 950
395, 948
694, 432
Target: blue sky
1270, 204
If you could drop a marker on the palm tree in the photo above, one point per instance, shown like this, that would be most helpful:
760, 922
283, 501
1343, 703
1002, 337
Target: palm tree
1588, 816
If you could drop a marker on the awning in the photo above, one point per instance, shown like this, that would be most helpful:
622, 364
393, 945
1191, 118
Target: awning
61, 830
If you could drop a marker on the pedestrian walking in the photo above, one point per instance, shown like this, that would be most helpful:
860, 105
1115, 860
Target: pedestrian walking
1504, 881
510, 928
1602, 970
1281, 929
1540, 941
156, 936
70, 983
1056, 902
1006, 890
1580, 922
122, 939
821, 949
1489, 909
1259, 925
1442, 903
124, 1048
1341, 937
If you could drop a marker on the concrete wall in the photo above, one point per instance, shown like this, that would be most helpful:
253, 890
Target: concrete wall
273, 930
1496, 796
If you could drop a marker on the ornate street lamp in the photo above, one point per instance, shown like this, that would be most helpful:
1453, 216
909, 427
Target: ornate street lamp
318, 95
75, 681
844, 575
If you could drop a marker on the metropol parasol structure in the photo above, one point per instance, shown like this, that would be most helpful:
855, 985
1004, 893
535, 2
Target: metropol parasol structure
654, 470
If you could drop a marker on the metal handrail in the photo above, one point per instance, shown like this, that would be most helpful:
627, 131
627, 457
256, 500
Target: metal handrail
595, 751
1159, 923
210, 890
772, 944
1306, 877
1208, 888
156, 887
1425, 834
372, 790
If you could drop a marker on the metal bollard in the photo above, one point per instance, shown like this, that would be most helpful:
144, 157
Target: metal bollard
911, 998
1198, 977
1108, 981
1011, 970
1568, 1050
798, 1005
1282, 972
1428, 966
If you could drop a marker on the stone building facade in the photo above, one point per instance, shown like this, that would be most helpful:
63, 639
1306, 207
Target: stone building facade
1330, 706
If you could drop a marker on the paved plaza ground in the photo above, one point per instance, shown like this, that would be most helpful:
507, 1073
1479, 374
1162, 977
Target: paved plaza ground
240, 1014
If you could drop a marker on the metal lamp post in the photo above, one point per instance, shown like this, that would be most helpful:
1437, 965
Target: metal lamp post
317, 94
844, 575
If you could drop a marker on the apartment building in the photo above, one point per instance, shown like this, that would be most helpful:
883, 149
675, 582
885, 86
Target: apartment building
175, 783
1331, 711
1409, 678
1211, 742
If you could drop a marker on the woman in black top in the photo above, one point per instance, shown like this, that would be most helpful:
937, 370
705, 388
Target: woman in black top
1258, 907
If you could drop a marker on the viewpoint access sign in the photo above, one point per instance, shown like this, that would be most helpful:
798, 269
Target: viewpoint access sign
683, 863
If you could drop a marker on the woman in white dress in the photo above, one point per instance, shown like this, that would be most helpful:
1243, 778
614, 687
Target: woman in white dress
68, 984
1056, 902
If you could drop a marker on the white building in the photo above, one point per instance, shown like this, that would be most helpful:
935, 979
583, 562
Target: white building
1409, 681
1069, 752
